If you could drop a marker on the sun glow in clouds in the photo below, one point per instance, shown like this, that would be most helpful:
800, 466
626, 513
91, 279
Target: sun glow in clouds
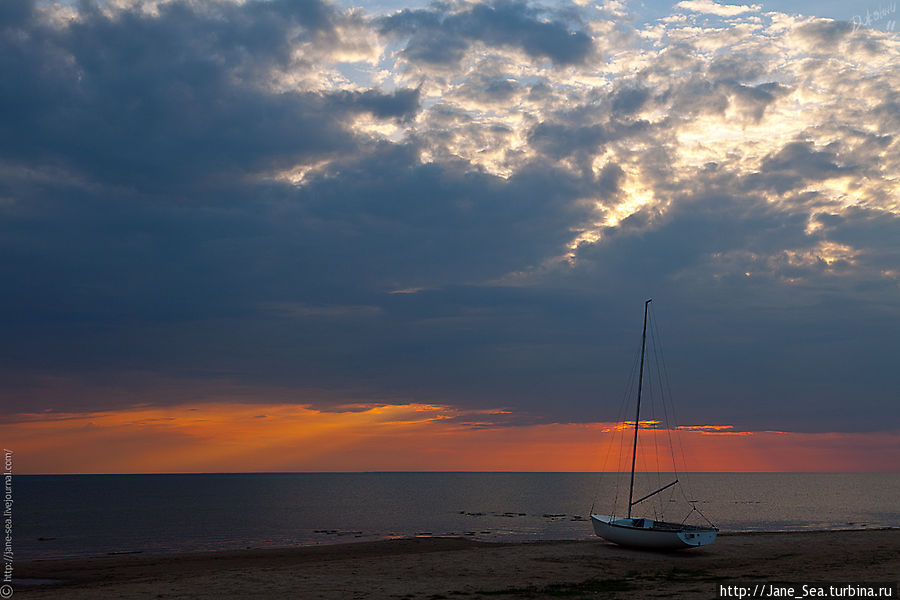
278, 437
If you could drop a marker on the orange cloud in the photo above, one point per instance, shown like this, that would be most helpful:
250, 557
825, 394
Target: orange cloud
243, 437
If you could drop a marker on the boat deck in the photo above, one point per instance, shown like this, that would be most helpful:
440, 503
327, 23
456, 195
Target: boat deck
639, 523
666, 526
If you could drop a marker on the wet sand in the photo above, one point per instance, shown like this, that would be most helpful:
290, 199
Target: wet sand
440, 568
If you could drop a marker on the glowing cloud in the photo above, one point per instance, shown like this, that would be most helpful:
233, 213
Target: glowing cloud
250, 437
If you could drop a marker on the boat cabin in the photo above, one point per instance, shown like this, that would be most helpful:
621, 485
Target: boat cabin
642, 523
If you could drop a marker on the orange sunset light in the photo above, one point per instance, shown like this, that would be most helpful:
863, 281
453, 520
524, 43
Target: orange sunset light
411, 437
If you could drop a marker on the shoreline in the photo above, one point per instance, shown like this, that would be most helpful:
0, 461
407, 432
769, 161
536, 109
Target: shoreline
457, 567
341, 541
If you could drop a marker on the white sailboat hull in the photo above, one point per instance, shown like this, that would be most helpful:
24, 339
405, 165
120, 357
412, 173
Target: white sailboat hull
645, 533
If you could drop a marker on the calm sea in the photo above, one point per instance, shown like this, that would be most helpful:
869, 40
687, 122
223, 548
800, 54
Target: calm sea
82, 515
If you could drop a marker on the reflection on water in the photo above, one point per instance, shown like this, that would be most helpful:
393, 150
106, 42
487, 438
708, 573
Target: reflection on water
68, 515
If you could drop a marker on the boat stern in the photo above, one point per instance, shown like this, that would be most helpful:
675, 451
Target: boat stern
698, 538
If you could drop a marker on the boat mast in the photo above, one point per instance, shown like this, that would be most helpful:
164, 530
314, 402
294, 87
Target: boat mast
637, 416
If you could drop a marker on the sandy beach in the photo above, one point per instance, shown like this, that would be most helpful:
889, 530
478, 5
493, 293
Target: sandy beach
435, 568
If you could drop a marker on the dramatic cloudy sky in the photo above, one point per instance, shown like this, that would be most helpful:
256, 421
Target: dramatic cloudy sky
223, 221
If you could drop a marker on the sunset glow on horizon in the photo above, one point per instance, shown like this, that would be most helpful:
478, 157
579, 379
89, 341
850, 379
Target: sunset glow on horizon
289, 438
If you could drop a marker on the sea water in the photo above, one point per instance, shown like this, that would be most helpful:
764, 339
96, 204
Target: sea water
84, 515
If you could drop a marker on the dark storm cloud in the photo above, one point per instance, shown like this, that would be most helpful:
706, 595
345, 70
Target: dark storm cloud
159, 101
563, 139
630, 100
873, 228
401, 104
796, 164
437, 35
469, 226
113, 127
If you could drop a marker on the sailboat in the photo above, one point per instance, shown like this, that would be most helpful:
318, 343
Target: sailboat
643, 532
